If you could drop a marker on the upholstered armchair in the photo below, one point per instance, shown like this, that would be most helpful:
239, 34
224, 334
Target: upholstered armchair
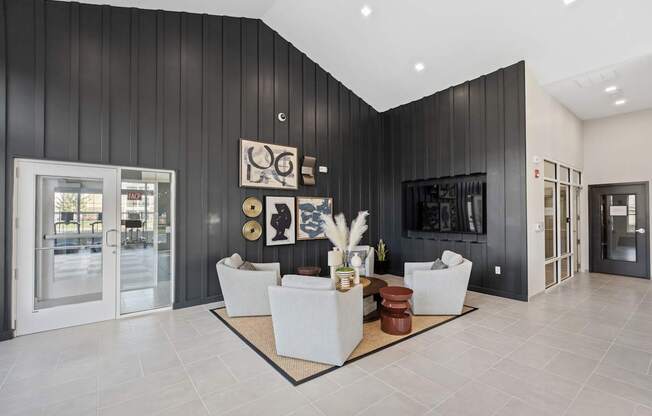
438, 292
245, 291
313, 321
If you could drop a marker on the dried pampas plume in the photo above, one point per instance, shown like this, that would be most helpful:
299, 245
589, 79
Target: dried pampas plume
336, 231
358, 228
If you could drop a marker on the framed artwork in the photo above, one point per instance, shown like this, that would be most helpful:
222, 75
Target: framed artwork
270, 166
309, 216
279, 220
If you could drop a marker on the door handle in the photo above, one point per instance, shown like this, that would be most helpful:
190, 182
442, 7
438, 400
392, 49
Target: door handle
107, 238
640, 230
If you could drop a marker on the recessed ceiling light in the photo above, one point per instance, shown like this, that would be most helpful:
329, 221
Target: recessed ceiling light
419, 66
620, 102
366, 11
569, 2
611, 88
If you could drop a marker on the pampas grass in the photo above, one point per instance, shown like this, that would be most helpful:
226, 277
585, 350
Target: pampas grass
338, 233
358, 228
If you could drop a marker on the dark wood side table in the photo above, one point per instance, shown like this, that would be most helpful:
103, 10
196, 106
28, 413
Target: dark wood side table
373, 289
394, 318
308, 270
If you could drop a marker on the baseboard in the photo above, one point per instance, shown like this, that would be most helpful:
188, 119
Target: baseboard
6, 335
499, 293
196, 302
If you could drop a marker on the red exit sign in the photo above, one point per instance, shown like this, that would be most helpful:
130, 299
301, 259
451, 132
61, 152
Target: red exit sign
134, 196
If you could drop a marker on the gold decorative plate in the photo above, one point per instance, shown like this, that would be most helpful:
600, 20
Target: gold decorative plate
252, 230
252, 207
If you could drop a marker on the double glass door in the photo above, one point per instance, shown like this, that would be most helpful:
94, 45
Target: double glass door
91, 243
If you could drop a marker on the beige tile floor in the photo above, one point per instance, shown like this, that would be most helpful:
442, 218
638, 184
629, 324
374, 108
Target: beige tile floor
584, 348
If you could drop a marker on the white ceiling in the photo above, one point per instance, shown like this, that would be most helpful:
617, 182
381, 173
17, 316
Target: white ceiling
457, 40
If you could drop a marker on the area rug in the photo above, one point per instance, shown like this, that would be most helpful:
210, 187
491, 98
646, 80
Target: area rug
258, 333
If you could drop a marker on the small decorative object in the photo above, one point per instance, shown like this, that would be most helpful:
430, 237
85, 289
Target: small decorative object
308, 170
252, 230
282, 117
339, 234
252, 207
310, 224
269, 166
356, 262
345, 275
279, 220
382, 258
335, 261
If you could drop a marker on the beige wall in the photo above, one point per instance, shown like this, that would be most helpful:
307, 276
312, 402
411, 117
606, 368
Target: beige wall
616, 149
553, 133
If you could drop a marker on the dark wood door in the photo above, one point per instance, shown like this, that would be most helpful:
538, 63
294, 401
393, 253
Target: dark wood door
618, 228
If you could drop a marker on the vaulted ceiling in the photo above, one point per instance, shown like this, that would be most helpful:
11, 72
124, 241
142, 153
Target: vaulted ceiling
456, 40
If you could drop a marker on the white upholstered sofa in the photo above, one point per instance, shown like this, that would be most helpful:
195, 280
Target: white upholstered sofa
245, 291
313, 321
438, 292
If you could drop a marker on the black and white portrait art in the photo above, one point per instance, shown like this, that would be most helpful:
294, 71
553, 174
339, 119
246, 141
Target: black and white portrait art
279, 220
271, 166
310, 225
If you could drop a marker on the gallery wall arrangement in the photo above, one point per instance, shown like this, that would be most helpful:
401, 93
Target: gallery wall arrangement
178, 91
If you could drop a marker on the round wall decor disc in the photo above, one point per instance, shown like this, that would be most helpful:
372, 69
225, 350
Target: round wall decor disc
252, 207
252, 230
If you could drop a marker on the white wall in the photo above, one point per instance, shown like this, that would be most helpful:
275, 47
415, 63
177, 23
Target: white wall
616, 149
554, 133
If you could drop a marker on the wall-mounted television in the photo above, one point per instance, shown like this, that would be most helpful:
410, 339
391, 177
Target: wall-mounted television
449, 205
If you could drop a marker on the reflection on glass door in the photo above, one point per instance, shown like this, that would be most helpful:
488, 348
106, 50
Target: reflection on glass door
550, 224
564, 232
68, 241
146, 231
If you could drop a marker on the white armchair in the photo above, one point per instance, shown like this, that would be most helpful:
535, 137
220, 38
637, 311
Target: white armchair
245, 291
314, 322
367, 261
438, 292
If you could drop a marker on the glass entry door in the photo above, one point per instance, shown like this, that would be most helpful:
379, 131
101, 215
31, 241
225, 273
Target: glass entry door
618, 226
66, 239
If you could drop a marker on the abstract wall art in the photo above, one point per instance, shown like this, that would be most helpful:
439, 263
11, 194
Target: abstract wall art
279, 220
271, 166
309, 217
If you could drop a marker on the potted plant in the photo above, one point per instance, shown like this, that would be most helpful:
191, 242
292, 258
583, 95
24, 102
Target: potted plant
382, 258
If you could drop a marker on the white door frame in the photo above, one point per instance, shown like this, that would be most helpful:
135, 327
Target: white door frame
118, 170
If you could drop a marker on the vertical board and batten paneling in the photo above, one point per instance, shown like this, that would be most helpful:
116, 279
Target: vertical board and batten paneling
156, 89
474, 127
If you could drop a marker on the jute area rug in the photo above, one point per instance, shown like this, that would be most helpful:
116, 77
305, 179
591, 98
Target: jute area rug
258, 333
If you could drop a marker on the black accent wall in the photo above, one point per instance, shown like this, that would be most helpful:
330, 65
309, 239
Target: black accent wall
177, 91
474, 127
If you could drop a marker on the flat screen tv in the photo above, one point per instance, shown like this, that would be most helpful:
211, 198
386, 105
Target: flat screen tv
451, 205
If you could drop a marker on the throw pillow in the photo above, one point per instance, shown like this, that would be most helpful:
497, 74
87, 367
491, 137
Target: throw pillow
451, 259
438, 265
235, 261
247, 266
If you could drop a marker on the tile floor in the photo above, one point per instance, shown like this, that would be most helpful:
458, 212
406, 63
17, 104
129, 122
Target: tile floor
584, 348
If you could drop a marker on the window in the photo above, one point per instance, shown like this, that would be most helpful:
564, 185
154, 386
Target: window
561, 221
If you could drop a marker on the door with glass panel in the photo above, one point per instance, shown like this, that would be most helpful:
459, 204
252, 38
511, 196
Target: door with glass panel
146, 240
618, 229
66, 238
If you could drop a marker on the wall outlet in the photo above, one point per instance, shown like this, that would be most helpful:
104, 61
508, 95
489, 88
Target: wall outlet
323, 169
497, 270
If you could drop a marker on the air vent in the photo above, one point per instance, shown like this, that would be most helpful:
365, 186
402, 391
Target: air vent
595, 78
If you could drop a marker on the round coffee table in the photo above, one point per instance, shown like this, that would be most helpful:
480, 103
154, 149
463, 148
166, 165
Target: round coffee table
373, 289
394, 318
